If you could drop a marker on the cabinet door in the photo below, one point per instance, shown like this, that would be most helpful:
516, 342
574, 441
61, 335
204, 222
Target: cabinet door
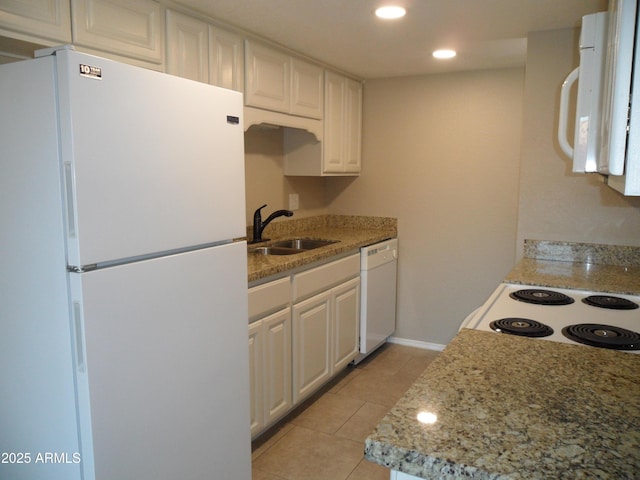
277, 364
334, 124
311, 345
256, 377
307, 89
49, 18
132, 29
187, 47
226, 59
267, 78
346, 323
353, 126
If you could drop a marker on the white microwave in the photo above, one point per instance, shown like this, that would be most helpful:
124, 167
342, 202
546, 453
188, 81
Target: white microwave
607, 126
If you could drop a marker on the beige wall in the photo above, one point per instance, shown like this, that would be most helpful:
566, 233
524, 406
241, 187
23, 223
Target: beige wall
265, 180
554, 203
441, 153
469, 165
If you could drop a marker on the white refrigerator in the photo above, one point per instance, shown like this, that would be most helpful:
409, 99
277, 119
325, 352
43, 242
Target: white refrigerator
123, 297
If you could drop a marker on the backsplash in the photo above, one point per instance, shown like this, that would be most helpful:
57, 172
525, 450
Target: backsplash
591, 253
282, 228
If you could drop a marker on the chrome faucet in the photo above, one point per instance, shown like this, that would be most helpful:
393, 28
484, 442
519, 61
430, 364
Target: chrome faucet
259, 225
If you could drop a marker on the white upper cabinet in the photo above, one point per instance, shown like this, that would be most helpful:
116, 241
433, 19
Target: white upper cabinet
226, 59
343, 119
277, 81
339, 152
267, 77
131, 28
199, 51
306, 89
353, 124
187, 47
46, 19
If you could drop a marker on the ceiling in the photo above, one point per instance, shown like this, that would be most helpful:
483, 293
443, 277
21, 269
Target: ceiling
346, 34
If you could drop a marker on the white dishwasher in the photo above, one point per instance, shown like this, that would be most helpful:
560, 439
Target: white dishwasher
378, 276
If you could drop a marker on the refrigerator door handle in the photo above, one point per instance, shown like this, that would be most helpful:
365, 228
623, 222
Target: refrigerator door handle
71, 211
78, 336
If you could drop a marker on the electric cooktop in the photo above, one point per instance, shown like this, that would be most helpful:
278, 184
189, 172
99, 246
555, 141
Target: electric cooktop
594, 319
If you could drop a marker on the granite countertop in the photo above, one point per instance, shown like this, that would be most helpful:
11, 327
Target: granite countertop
559, 411
578, 276
351, 233
600, 268
519, 408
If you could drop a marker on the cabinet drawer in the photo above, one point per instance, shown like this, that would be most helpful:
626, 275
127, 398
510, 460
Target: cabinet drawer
269, 297
323, 277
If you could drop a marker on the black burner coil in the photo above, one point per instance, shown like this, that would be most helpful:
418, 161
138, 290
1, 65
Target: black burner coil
611, 302
523, 327
603, 336
541, 297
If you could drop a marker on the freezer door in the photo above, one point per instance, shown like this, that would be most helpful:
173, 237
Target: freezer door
163, 367
37, 401
152, 162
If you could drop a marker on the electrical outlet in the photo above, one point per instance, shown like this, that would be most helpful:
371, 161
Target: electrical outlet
294, 201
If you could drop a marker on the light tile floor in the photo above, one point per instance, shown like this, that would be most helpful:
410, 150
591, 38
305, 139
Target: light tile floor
324, 440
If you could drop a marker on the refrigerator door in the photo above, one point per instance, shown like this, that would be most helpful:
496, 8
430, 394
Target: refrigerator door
37, 400
152, 162
162, 367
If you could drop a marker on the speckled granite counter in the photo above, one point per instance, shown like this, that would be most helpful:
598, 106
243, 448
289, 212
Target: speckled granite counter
517, 408
351, 233
602, 268
581, 276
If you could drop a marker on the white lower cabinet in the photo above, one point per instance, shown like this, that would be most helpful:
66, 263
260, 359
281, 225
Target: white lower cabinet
269, 352
346, 325
325, 325
312, 345
303, 330
325, 329
270, 367
256, 377
277, 364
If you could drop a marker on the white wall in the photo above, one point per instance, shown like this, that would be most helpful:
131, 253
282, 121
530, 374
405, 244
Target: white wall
554, 203
441, 153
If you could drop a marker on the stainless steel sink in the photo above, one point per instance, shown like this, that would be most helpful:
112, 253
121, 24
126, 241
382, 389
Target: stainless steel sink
291, 246
275, 250
303, 243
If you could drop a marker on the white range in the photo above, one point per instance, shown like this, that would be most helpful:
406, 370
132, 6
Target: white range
577, 317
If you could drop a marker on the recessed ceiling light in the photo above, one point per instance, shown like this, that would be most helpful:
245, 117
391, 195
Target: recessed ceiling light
444, 53
390, 12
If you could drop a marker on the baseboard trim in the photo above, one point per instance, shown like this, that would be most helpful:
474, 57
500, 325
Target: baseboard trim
416, 344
